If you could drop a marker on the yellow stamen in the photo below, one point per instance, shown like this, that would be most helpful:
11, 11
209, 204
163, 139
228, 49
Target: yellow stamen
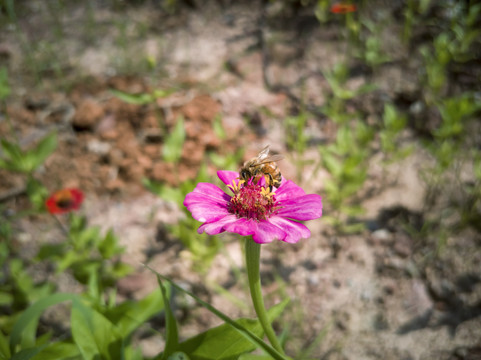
266, 192
236, 187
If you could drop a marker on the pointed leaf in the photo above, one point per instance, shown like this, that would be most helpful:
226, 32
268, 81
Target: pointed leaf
241, 329
254, 357
4, 349
25, 327
27, 354
4, 88
59, 350
14, 156
226, 343
95, 336
136, 99
43, 150
172, 333
131, 314
172, 149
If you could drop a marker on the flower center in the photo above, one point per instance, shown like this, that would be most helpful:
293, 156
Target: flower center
63, 199
253, 201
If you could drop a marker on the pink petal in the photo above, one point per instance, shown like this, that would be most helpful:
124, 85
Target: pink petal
294, 230
242, 226
207, 202
267, 232
216, 227
205, 211
288, 189
212, 191
307, 207
228, 176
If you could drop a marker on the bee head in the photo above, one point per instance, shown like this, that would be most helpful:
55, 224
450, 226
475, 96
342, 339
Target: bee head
244, 174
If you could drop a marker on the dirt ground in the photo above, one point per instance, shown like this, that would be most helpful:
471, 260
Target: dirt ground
366, 294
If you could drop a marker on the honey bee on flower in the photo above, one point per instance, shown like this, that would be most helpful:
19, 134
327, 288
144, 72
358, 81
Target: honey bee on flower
265, 165
254, 209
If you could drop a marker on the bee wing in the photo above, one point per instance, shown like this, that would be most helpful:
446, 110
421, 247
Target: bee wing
263, 154
272, 158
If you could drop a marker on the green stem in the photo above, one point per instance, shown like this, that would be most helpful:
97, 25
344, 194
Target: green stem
253, 252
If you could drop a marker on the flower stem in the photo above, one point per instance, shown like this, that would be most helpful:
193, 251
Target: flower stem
253, 252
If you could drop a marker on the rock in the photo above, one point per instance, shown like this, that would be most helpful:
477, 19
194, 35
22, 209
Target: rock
88, 114
98, 147
132, 283
402, 246
382, 235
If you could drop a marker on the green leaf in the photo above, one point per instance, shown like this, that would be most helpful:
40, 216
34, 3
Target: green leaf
131, 353
218, 128
4, 349
254, 357
224, 342
13, 151
136, 99
66, 261
172, 333
6, 298
24, 329
166, 192
172, 149
37, 193
344, 140
253, 338
59, 351
120, 269
129, 315
332, 164
95, 336
51, 251
4, 88
28, 354
108, 246
43, 150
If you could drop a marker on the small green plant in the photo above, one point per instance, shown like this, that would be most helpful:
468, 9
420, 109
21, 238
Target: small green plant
297, 139
436, 64
141, 98
4, 87
393, 125
202, 248
172, 148
335, 105
371, 49
346, 160
14, 158
105, 332
93, 259
26, 161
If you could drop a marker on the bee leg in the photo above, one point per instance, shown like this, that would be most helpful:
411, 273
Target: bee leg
270, 182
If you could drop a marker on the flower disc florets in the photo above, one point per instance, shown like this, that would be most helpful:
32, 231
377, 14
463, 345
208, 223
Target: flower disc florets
253, 201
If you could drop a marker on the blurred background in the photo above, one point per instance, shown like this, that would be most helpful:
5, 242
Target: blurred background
375, 105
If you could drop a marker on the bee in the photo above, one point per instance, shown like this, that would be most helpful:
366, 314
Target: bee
265, 165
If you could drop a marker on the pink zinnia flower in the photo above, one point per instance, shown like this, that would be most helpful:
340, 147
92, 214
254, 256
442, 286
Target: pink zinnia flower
253, 209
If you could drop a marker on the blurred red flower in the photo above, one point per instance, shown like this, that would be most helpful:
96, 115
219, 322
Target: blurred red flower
64, 201
342, 8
